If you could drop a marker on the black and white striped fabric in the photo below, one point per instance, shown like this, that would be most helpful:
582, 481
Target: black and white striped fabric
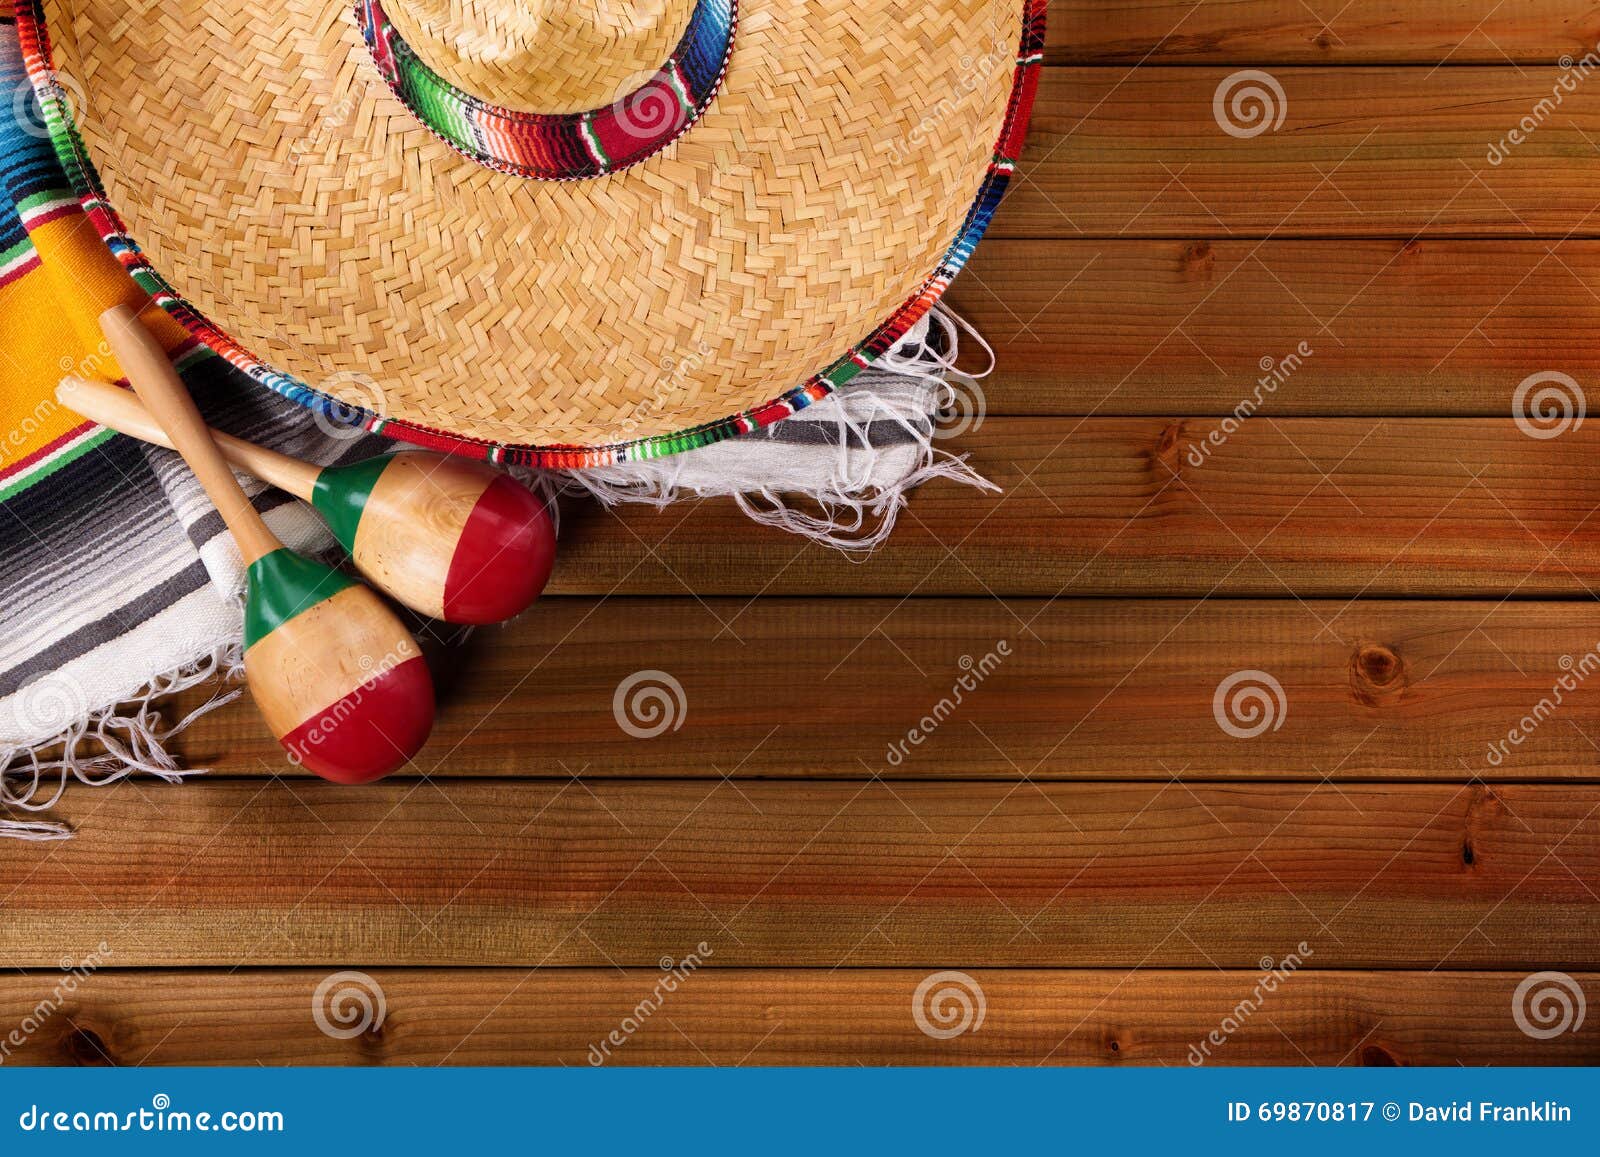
120, 587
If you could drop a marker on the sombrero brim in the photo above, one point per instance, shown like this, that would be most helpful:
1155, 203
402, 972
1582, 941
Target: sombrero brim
504, 375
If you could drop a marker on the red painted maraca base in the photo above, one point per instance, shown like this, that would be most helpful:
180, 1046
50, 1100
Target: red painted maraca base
504, 557
370, 732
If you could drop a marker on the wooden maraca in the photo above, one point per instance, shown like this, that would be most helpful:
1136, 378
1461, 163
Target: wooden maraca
339, 679
450, 538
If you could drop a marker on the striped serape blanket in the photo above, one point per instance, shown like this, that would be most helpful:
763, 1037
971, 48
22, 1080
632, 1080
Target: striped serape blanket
119, 586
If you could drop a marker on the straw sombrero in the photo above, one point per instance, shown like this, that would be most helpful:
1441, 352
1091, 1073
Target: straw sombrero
554, 232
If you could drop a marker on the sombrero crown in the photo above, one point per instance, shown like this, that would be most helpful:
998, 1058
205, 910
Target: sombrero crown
631, 226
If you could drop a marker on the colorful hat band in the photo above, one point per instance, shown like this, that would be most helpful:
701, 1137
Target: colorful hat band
561, 146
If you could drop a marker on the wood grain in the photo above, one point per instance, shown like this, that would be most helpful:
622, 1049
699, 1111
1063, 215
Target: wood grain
1261, 32
1080, 834
1360, 152
1091, 688
1431, 327
823, 874
1331, 507
413, 523
784, 1017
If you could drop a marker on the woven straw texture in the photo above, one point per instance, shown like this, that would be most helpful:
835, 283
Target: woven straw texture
280, 188
548, 56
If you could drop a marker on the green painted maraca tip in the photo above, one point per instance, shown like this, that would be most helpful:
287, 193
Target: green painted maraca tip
341, 492
281, 585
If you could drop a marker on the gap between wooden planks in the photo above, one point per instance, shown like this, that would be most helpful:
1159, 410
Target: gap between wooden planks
1117, 152
787, 1017
1089, 689
828, 874
1423, 327
1258, 32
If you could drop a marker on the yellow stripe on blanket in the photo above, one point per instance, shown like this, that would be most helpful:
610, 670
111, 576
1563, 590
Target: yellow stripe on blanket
49, 328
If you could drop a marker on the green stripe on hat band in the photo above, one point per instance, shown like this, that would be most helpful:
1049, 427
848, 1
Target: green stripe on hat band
283, 584
340, 495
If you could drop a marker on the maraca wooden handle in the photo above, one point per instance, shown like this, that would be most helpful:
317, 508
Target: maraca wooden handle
167, 399
117, 409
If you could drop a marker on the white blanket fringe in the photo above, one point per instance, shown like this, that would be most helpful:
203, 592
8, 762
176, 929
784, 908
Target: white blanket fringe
128, 737
850, 458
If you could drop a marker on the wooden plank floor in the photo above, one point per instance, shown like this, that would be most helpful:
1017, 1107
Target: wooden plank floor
1254, 721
